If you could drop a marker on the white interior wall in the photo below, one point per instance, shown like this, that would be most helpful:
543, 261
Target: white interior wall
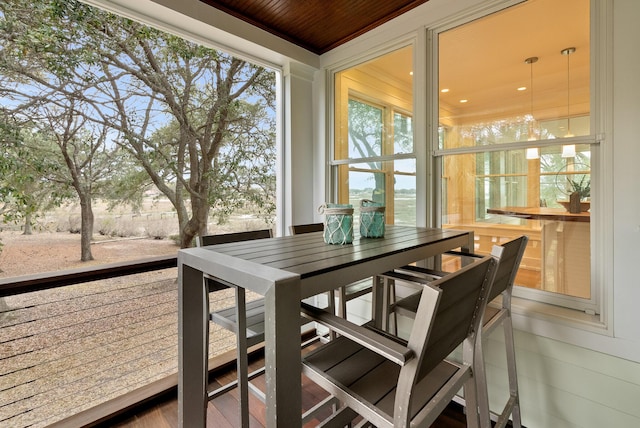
626, 174
299, 147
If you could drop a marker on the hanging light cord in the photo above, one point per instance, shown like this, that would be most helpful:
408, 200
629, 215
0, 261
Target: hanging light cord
567, 52
530, 61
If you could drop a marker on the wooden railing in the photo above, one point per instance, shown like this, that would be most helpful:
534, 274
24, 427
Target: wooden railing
48, 280
14, 286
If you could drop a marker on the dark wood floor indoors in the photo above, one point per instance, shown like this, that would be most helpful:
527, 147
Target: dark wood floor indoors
223, 411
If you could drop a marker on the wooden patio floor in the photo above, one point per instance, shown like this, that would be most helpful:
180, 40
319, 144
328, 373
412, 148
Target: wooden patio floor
223, 411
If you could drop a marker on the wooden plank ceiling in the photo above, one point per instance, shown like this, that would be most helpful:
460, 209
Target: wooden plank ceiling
316, 25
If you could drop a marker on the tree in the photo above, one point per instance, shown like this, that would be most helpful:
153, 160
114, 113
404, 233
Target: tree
24, 189
199, 122
50, 95
217, 149
49, 86
65, 153
367, 127
89, 163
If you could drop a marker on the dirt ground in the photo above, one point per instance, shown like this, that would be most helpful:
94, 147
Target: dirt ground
53, 251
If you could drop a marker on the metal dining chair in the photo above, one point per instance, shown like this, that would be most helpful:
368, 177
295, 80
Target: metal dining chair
346, 293
246, 320
391, 383
496, 314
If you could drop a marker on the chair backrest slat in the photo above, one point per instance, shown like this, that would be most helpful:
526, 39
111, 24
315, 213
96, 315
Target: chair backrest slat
297, 229
462, 302
510, 259
225, 238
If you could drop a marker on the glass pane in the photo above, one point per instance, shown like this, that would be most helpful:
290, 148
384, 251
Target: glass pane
402, 133
404, 185
366, 181
365, 130
561, 176
538, 91
371, 181
513, 195
374, 121
98, 346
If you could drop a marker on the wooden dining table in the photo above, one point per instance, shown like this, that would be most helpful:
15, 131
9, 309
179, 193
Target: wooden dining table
542, 213
284, 270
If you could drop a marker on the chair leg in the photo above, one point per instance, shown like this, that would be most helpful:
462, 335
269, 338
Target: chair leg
332, 309
471, 401
331, 296
472, 394
342, 302
389, 299
242, 356
511, 370
482, 390
388, 284
512, 407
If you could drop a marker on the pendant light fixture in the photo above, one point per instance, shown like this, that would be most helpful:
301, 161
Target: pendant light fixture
532, 152
568, 150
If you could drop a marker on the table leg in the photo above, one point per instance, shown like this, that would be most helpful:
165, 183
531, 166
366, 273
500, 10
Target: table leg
378, 309
193, 341
469, 248
283, 365
242, 360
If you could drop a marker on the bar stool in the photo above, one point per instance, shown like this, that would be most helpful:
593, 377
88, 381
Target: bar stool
510, 254
246, 320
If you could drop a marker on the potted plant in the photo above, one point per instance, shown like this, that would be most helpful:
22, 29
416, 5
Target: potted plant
581, 189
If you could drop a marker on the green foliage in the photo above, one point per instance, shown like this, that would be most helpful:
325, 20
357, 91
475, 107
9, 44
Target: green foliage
365, 129
24, 188
129, 106
582, 187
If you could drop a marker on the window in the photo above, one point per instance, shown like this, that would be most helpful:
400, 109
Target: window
374, 155
515, 138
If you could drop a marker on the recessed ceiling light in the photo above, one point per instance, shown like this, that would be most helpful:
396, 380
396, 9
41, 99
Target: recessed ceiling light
411, 73
464, 101
522, 88
445, 90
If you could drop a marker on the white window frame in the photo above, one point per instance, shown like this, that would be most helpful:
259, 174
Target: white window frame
333, 162
536, 303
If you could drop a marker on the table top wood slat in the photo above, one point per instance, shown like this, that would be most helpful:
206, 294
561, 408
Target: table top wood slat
310, 256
